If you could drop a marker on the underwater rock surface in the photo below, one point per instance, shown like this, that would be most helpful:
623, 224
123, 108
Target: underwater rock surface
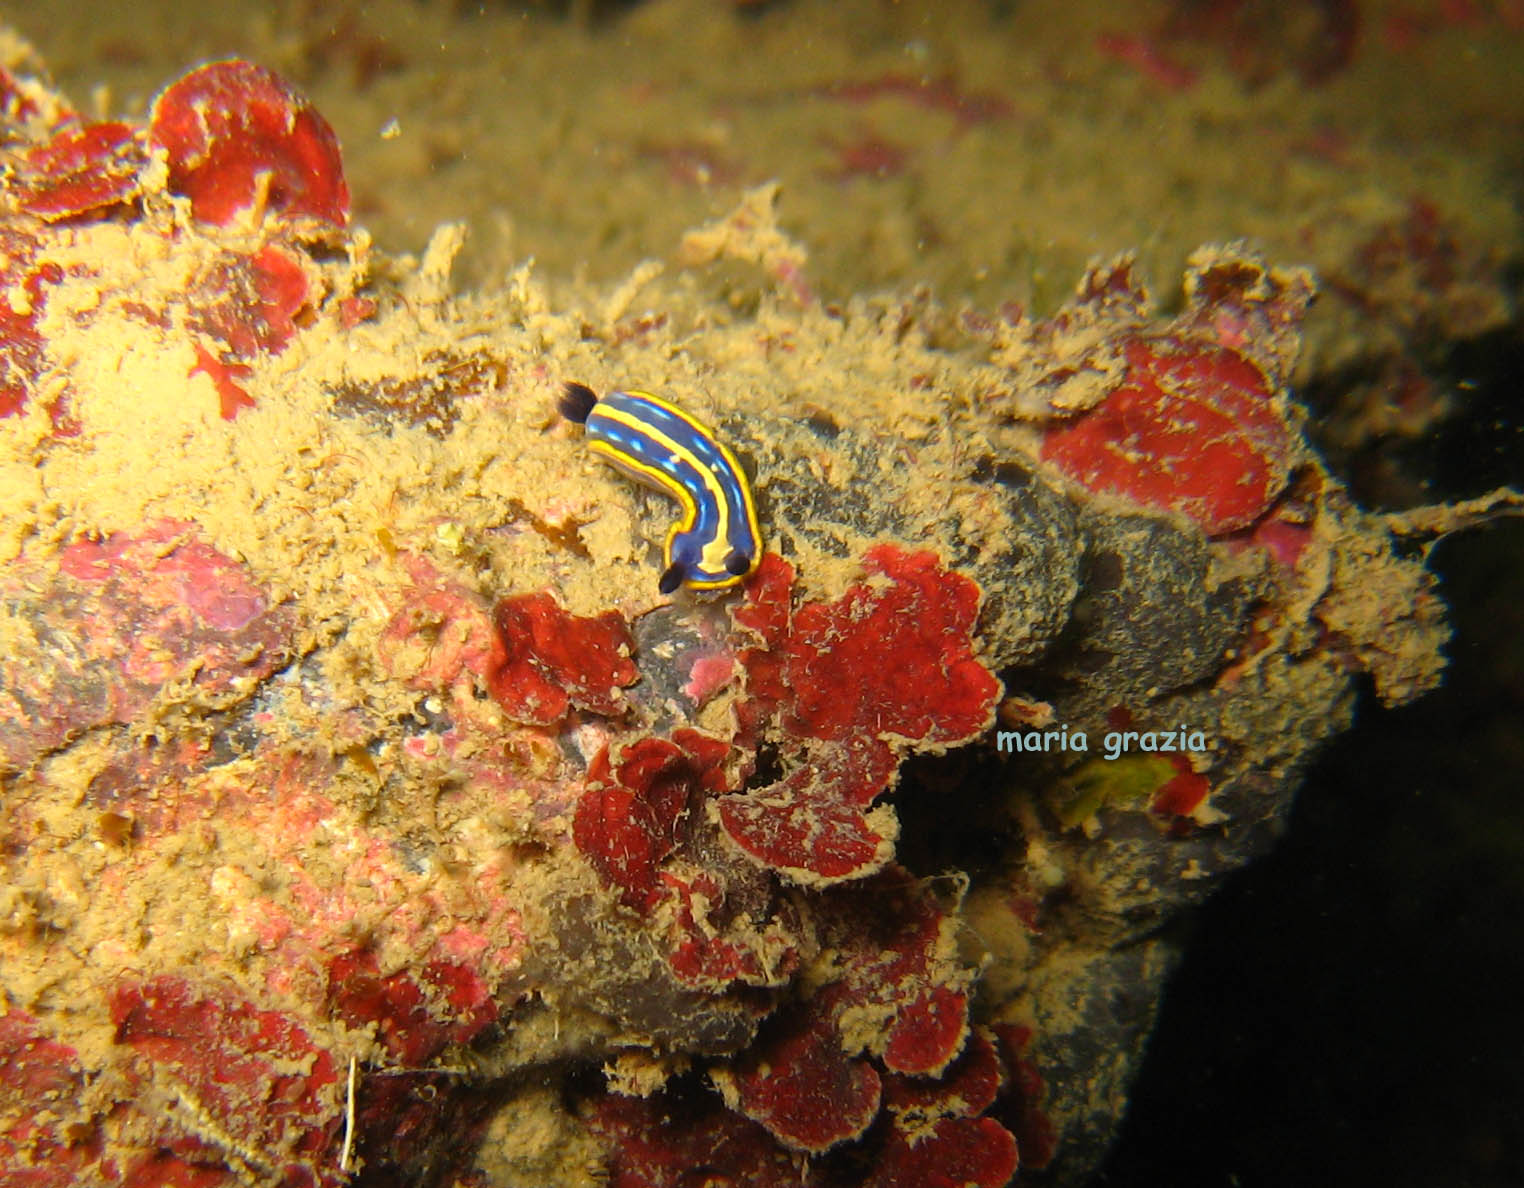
360, 786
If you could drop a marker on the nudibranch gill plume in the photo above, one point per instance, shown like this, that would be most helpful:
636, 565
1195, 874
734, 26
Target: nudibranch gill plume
716, 541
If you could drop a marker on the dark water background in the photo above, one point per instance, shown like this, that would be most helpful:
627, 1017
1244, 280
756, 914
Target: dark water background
1351, 1009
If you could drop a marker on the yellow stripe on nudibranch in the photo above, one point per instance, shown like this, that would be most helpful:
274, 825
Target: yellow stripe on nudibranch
716, 540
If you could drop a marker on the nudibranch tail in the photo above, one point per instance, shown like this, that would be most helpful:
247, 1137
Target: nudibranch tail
716, 541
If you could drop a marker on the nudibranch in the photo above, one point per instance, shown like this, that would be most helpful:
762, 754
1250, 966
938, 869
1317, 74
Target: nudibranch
716, 541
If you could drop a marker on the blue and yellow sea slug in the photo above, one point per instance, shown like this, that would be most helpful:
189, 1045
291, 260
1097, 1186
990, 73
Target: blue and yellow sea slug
716, 541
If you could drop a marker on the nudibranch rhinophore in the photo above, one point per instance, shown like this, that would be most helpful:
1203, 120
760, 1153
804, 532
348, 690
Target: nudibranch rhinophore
716, 541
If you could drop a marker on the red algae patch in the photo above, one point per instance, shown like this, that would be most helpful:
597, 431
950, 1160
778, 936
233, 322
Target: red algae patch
248, 1081
241, 140
639, 795
798, 1083
548, 661
1189, 417
83, 169
1190, 430
823, 673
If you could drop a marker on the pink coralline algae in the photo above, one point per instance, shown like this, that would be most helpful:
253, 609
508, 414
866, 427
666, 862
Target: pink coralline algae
848, 717
441, 634
217, 1082
159, 606
1194, 417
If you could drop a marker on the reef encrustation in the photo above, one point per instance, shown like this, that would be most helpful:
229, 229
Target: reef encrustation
344, 739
